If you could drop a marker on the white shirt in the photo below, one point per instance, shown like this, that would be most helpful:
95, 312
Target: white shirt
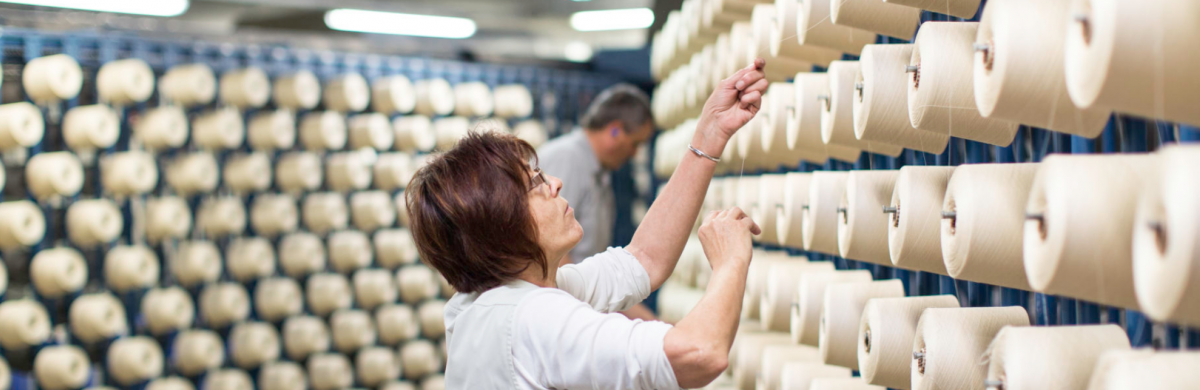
520, 336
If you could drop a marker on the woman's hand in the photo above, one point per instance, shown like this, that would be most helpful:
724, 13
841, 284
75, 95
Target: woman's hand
734, 102
725, 236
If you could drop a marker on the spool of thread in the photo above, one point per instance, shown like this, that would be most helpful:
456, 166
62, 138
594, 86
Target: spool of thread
774, 131
1118, 56
134, 360
473, 99
276, 298
531, 131
191, 173
352, 330
941, 93
775, 356
327, 292
783, 37
414, 133
392, 171
449, 130
799, 375
282, 375
300, 254
762, 21
749, 152
125, 82
376, 365
819, 219
372, 210
982, 224
224, 303
222, 216
52, 78
804, 125
249, 258
434, 382
949, 342
782, 281
349, 250
130, 267
21, 125
393, 95
219, 129
419, 358
23, 323
374, 287
770, 196
886, 334
228, 379
163, 127
245, 88
323, 130
1163, 244
97, 317
54, 174
676, 301
198, 262
274, 214
372, 131
22, 224
324, 212
168, 309
61, 367
189, 85
747, 329
297, 91
91, 127
394, 248
196, 351
432, 316
93, 222
880, 17
303, 336
1144, 369
330, 371
130, 173
397, 323
251, 344
815, 28
837, 118
756, 280
914, 229
843, 309
862, 227
1019, 50
347, 172
167, 217
272, 130
170, 383
299, 172
57, 272
1096, 269
855, 383
347, 93
1060, 357
434, 96
247, 173
512, 101
749, 357
747, 192
881, 104
788, 226
417, 284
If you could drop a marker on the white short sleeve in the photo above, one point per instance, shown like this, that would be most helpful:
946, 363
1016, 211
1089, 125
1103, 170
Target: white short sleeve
561, 343
610, 281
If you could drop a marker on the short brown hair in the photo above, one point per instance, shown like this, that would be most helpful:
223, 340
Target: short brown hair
469, 212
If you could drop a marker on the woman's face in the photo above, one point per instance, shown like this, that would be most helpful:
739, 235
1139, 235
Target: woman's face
558, 231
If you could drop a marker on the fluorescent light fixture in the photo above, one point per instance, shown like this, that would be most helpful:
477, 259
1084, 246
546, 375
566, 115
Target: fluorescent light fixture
578, 52
136, 7
613, 19
376, 22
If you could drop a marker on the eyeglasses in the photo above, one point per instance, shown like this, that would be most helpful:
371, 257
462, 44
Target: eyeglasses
538, 180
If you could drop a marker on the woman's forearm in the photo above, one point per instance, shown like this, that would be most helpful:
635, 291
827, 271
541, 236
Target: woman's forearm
698, 346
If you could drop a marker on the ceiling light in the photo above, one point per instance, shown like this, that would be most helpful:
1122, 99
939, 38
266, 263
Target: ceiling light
377, 22
613, 19
136, 7
578, 52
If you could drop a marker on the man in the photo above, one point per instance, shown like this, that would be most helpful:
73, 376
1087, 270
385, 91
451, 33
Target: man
616, 123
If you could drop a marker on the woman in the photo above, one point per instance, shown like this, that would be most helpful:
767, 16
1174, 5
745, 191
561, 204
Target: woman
484, 216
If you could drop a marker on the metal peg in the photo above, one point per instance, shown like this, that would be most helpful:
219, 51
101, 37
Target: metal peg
804, 207
982, 47
1035, 216
918, 355
858, 87
890, 210
1081, 18
845, 214
949, 215
867, 340
824, 98
996, 384
1156, 226
911, 68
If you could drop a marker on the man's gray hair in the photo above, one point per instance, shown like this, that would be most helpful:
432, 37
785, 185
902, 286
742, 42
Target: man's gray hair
622, 102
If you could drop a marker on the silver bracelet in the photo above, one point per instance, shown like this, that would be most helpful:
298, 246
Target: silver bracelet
702, 154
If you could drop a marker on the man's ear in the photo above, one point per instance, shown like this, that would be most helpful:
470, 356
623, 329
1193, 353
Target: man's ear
615, 128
